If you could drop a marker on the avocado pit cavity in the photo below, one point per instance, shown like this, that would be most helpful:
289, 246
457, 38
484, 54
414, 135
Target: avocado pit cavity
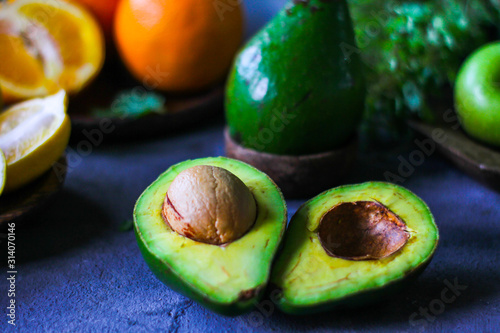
362, 230
210, 205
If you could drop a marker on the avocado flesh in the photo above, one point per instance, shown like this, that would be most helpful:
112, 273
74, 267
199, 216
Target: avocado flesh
226, 279
292, 89
310, 280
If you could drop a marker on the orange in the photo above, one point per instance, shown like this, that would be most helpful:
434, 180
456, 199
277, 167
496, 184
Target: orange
175, 45
45, 46
104, 11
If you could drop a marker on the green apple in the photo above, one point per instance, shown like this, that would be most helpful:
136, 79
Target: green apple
477, 94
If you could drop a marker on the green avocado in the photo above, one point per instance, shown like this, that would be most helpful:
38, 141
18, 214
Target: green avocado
352, 245
297, 87
227, 279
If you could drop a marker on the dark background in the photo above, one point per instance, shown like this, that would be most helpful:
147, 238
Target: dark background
77, 271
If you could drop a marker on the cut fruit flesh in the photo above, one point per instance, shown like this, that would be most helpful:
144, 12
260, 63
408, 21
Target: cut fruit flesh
228, 278
311, 279
33, 135
47, 46
18, 65
22, 72
3, 167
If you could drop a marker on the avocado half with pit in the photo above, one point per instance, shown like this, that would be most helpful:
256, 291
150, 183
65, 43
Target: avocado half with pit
226, 278
352, 245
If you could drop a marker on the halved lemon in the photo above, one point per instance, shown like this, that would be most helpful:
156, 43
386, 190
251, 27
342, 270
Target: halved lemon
33, 135
3, 166
46, 46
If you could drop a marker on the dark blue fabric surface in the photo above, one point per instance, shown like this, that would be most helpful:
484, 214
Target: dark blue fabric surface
79, 272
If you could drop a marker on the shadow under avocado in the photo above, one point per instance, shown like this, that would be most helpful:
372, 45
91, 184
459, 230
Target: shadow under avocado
450, 267
476, 285
52, 230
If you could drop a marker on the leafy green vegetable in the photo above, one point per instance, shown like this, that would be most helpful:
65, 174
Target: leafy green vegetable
413, 50
130, 104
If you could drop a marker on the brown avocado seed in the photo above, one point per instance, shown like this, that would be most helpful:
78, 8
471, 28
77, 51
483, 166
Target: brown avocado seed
362, 230
210, 205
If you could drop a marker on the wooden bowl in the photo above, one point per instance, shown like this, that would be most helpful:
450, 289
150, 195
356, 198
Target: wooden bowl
298, 176
182, 112
18, 205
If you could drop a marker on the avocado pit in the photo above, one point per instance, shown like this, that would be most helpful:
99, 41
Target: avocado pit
362, 230
209, 204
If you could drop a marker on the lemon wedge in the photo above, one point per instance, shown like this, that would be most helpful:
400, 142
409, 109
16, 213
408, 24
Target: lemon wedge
33, 135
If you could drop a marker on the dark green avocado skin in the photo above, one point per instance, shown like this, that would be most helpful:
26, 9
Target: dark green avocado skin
297, 87
166, 275
363, 298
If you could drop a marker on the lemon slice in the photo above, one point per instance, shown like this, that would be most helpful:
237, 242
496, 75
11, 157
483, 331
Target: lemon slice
3, 166
33, 135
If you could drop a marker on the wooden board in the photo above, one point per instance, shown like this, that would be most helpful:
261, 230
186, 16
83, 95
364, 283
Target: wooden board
475, 159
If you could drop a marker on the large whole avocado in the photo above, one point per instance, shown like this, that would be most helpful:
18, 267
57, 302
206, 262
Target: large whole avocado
297, 86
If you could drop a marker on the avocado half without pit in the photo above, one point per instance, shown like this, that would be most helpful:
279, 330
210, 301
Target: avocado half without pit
352, 245
209, 229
